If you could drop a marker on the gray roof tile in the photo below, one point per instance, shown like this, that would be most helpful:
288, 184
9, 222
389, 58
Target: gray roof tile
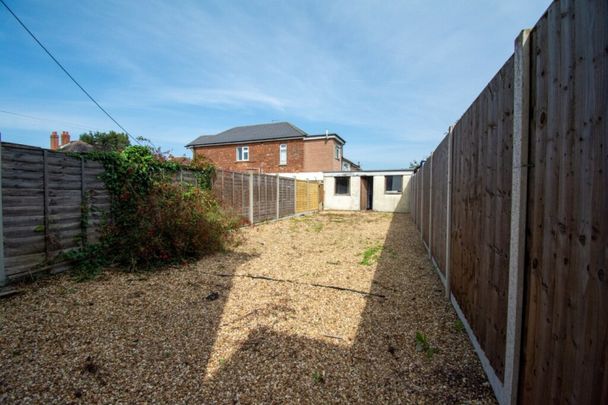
251, 133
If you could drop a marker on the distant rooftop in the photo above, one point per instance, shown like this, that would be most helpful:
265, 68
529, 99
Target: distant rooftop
255, 133
76, 146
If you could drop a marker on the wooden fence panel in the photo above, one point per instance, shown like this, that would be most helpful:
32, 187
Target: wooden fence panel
307, 196
264, 198
439, 203
419, 200
411, 187
232, 189
481, 213
23, 210
286, 197
425, 210
64, 203
97, 197
565, 359
43, 194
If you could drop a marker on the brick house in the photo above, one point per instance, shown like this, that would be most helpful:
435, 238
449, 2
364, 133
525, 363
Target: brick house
272, 148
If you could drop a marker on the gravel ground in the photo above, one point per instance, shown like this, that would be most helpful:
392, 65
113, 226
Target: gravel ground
289, 315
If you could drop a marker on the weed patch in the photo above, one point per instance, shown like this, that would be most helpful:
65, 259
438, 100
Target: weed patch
318, 377
423, 345
459, 326
371, 255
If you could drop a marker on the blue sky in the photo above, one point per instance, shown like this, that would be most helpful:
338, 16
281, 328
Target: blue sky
388, 76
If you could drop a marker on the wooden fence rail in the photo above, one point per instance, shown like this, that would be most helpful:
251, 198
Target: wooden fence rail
513, 209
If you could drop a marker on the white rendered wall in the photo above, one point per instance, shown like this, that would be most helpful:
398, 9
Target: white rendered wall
390, 202
350, 202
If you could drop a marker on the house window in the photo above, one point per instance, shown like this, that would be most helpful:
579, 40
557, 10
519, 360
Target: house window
338, 152
345, 166
283, 154
393, 184
242, 153
342, 185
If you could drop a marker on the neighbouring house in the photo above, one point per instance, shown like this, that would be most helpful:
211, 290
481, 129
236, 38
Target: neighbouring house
378, 190
273, 148
67, 145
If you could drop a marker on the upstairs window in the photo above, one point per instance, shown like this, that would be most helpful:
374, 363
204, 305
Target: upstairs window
283, 154
242, 153
393, 184
338, 152
342, 185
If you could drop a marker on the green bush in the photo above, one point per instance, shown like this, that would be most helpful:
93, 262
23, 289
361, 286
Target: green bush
172, 222
155, 220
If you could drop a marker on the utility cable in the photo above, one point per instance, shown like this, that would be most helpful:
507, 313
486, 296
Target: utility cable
66, 72
73, 124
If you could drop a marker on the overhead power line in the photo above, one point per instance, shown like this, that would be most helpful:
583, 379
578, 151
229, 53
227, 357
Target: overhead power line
32, 117
66, 72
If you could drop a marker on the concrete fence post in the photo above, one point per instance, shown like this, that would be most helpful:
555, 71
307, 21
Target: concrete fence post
519, 190
278, 197
251, 198
448, 225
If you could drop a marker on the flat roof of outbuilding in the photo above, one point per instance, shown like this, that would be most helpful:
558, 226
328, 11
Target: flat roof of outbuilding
360, 173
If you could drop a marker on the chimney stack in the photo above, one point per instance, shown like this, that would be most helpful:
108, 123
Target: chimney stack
65, 138
54, 141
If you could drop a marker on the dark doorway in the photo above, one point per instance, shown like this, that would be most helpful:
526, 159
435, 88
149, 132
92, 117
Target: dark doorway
367, 193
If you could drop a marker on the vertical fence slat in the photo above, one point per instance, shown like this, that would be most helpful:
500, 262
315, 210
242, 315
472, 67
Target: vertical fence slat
430, 241
83, 204
45, 202
448, 225
2, 268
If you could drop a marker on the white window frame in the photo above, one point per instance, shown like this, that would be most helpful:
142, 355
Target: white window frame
338, 152
243, 156
348, 181
283, 154
386, 190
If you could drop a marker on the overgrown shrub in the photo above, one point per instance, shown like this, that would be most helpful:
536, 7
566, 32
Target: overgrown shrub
171, 222
154, 219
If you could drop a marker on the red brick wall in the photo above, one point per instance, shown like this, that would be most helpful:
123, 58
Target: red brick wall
319, 156
263, 156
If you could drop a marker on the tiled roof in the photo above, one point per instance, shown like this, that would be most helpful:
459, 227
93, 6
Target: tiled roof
251, 133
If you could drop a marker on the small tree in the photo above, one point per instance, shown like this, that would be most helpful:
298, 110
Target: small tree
414, 164
106, 141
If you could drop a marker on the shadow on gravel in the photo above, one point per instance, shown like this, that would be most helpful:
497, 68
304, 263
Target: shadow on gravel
383, 364
143, 347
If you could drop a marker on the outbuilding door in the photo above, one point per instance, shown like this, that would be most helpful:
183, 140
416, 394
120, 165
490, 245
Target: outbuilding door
367, 193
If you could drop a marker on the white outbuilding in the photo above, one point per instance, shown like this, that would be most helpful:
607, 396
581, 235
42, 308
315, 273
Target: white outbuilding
377, 190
